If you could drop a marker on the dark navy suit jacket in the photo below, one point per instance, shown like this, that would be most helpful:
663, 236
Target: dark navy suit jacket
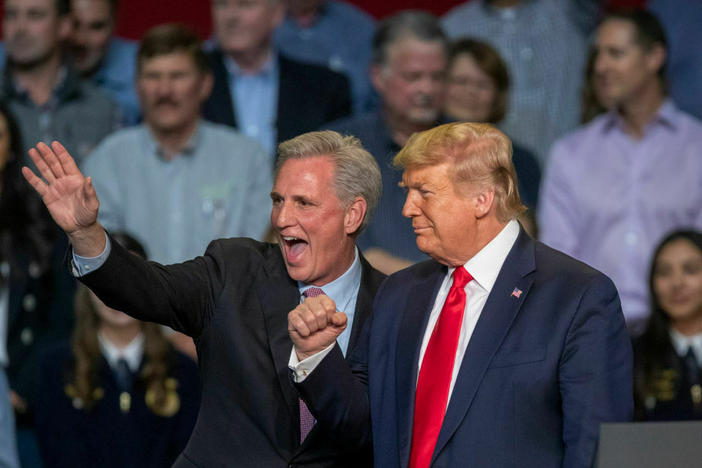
549, 360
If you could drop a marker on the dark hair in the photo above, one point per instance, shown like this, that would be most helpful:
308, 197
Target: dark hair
590, 102
491, 63
26, 224
172, 38
409, 23
649, 31
656, 338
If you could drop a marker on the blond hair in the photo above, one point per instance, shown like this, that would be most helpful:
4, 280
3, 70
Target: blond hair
481, 156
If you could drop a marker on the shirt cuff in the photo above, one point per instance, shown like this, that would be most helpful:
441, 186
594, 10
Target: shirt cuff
81, 266
301, 369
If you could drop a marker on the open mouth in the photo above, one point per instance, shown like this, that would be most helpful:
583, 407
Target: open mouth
294, 248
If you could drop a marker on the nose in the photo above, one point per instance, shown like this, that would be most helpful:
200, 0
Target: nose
601, 63
410, 209
282, 215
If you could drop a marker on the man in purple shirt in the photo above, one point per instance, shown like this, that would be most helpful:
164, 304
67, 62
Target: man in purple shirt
616, 186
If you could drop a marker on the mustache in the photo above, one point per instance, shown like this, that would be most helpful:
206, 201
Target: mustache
165, 101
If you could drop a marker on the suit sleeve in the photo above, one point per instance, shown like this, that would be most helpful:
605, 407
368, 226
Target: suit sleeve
595, 372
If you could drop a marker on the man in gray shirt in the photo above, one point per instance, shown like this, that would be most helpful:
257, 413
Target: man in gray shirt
176, 182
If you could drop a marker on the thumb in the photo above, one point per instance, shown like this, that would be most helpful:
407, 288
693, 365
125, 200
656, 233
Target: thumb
338, 319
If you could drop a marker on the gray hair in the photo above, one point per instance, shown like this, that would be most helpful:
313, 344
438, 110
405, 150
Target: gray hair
415, 24
357, 173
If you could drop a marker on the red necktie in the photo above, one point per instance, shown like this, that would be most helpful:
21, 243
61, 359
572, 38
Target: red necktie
435, 374
306, 418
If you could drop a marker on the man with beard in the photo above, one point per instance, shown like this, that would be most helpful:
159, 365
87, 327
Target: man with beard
42, 90
176, 182
409, 63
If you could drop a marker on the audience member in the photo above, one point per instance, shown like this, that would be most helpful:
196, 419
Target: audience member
265, 94
332, 33
544, 43
118, 395
592, 104
177, 182
478, 91
35, 291
668, 356
617, 185
234, 299
41, 88
409, 64
108, 61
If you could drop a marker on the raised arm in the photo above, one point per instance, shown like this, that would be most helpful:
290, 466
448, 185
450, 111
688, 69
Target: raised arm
69, 197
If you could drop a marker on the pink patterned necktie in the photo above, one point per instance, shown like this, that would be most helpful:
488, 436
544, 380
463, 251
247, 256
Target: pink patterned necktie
306, 419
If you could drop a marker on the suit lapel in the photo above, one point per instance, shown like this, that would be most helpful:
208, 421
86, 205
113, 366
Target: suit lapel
370, 281
420, 299
495, 320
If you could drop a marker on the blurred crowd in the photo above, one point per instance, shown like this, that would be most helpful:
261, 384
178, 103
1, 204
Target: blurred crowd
179, 137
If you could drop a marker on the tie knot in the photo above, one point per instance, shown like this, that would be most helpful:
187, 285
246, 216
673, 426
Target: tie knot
313, 292
460, 278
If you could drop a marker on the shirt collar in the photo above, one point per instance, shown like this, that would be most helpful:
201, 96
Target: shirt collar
487, 263
344, 286
132, 353
153, 146
269, 69
667, 115
682, 343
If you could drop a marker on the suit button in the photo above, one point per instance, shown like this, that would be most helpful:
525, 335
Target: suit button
29, 302
27, 336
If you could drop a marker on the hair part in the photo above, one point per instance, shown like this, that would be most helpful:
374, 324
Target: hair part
356, 172
481, 157
413, 24
171, 38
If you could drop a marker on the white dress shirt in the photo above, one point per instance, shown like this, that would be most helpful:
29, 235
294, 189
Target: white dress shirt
132, 353
682, 343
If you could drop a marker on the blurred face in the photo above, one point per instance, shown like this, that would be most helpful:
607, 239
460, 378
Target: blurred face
470, 92
171, 91
411, 83
623, 69
443, 220
32, 31
311, 222
111, 318
245, 26
4, 142
92, 28
677, 280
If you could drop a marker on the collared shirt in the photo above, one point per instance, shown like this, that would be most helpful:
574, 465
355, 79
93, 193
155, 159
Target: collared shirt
484, 268
683, 343
217, 187
608, 199
343, 291
132, 353
255, 97
544, 44
339, 38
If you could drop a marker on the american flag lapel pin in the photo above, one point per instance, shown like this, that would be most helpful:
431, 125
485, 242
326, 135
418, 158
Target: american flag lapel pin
516, 292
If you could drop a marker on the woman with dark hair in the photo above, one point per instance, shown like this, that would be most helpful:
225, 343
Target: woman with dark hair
478, 91
120, 395
668, 355
35, 291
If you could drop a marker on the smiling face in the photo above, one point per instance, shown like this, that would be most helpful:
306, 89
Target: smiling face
471, 92
314, 228
245, 26
677, 281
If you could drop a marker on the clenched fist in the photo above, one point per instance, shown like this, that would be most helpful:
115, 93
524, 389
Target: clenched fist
314, 325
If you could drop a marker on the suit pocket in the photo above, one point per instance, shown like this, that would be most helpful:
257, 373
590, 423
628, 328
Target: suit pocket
516, 357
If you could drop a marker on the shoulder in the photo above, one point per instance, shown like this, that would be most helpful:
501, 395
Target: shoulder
417, 273
221, 134
122, 143
581, 141
244, 248
308, 72
351, 13
359, 126
453, 20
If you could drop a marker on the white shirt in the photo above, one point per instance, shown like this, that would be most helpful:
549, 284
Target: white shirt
484, 268
682, 343
132, 353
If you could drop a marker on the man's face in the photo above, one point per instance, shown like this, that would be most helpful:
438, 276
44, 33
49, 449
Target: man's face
411, 83
443, 220
32, 31
311, 221
171, 91
242, 26
92, 28
622, 66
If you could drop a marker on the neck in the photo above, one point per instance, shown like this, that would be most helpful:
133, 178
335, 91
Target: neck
173, 141
252, 61
120, 337
40, 79
689, 327
637, 113
488, 228
401, 129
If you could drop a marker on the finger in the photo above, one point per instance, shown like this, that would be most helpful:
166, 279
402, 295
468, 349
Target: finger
89, 194
297, 325
338, 319
34, 181
51, 160
41, 165
67, 162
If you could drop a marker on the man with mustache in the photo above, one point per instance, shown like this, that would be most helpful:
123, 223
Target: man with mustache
176, 182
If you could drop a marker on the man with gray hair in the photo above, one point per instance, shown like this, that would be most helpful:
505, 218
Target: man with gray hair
234, 300
409, 62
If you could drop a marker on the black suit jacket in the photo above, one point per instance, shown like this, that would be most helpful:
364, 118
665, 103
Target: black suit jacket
308, 97
234, 302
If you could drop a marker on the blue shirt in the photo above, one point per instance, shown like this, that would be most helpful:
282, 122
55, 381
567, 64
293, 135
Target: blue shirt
255, 97
339, 38
116, 76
